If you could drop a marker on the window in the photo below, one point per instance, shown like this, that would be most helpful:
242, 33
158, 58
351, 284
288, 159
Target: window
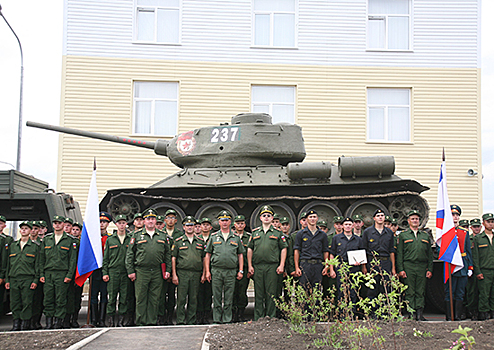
155, 108
388, 113
157, 21
274, 23
278, 101
388, 25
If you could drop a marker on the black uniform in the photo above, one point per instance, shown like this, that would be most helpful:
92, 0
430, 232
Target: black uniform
312, 248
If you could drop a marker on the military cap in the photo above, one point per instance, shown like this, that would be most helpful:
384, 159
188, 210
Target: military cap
475, 222
413, 212
276, 216
322, 223
136, 216
303, 215
42, 223
203, 220
104, 216
387, 218
189, 220
455, 209
378, 211
2, 218
58, 218
36, 223
171, 212
78, 224
149, 213
266, 209
160, 218
224, 214
487, 216
464, 223
311, 212
357, 217
69, 220
338, 219
26, 223
239, 218
284, 220
120, 217
394, 221
347, 219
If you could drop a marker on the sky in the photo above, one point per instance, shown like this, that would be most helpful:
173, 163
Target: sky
39, 27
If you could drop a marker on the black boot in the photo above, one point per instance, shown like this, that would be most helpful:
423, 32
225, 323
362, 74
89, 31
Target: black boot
16, 325
458, 306
36, 322
169, 318
121, 320
111, 321
448, 311
57, 323
492, 314
102, 314
235, 316
66, 321
49, 322
475, 315
161, 320
25, 325
130, 319
73, 320
420, 314
482, 316
94, 315
241, 317
207, 317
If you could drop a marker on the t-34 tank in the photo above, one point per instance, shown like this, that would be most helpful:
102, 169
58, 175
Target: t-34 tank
251, 162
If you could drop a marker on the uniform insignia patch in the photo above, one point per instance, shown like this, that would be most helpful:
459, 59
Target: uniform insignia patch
305, 239
408, 241
425, 241
74, 245
482, 245
371, 240
274, 237
31, 255
64, 248
339, 243
132, 240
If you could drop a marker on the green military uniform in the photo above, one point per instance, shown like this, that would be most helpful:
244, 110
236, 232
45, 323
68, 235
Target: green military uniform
472, 298
114, 267
224, 267
240, 299
266, 247
483, 263
5, 240
414, 256
188, 256
22, 271
74, 295
57, 262
145, 255
205, 294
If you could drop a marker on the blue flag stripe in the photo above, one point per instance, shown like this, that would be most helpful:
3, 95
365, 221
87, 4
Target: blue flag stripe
87, 260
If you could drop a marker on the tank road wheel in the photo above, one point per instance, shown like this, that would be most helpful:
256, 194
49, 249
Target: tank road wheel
125, 205
211, 210
400, 206
325, 211
365, 208
279, 208
162, 207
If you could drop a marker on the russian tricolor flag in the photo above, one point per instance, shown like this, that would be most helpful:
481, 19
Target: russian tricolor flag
90, 250
446, 237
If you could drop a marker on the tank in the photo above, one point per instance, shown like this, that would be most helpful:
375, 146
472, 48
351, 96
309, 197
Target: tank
250, 162
23, 197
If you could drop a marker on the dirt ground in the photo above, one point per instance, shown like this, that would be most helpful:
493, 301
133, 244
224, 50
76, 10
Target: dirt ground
42, 340
275, 334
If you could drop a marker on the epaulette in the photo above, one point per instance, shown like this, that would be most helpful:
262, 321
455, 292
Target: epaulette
214, 233
73, 237
256, 229
181, 238
48, 234
35, 242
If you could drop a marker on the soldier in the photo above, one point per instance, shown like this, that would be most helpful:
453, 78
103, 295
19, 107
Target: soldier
394, 227
22, 277
323, 226
290, 263
387, 221
379, 244
35, 231
198, 228
483, 260
276, 221
167, 297
414, 263
160, 222
358, 224
98, 286
148, 249
205, 295
310, 251
114, 272
43, 230
240, 300
5, 240
459, 279
303, 220
464, 224
67, 225
138, 223
75, 291
224, 252
472, 300
266, 255
338, 225
187, 269
38, 292
341, 244
58, 261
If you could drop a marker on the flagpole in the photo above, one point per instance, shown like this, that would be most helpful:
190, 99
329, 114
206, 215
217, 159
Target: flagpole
450, 272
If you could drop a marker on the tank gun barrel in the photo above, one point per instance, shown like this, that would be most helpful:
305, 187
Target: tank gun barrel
158, 146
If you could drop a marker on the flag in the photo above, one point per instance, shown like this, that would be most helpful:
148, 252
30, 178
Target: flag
90, 250
446, 237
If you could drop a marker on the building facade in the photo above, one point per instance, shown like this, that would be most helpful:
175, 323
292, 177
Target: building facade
361, 77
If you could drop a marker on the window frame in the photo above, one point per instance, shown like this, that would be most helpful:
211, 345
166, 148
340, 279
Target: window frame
153, 108
386, 19
271, 28
386, 116
155, 8
270, 104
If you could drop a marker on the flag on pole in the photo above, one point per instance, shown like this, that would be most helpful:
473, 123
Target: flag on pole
90, 250
446, 237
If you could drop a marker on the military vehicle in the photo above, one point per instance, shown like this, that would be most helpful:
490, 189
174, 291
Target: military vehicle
24, 197
250, 162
